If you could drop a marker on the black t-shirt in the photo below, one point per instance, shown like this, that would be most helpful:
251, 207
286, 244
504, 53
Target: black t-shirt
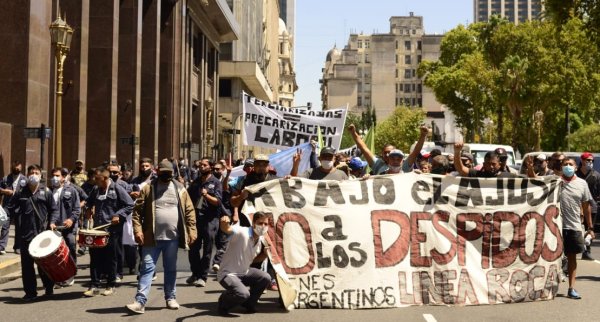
317, 174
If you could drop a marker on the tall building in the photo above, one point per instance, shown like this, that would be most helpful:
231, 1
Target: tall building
146, 69
514, 10
258, 62
380, 71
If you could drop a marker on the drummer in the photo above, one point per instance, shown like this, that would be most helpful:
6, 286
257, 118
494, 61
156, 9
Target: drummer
67, 200
35, 208
108, 203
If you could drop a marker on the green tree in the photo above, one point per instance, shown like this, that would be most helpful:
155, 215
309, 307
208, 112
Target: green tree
400, 129
586, 138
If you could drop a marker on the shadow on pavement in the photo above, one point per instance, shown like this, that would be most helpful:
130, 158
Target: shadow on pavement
589, 278
120, 310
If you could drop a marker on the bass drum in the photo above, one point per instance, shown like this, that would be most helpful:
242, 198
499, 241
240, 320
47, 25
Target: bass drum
51, 253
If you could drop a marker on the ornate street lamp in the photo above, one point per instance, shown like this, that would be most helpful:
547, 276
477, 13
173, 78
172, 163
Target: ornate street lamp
538, 118
61, 34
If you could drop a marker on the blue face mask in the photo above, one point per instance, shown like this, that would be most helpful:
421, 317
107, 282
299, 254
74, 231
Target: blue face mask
568, 170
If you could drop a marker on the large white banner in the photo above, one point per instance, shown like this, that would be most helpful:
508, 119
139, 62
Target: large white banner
411, 239
274, 126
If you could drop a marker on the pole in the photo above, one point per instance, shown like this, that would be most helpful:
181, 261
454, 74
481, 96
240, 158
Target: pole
132, 149
60, 59
42, 139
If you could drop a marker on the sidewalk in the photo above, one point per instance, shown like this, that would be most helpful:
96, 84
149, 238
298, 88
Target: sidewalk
10, 263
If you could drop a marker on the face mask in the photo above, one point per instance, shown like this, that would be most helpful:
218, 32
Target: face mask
34, 179
165, 177
147, 172
55, 182
395, 169
16, 171
114, 177
217, 174
568, 170
261, 230
327, 164
589, 166
79, 168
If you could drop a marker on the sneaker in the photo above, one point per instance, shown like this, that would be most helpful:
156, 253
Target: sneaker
136, 307
154, 277
200, 283
2, 252
572, 294
172, 304
108, 291
29, 298
216, 267
273, 286
191, 280
91, 292
58, 285
587, 256
118, 279
69, 282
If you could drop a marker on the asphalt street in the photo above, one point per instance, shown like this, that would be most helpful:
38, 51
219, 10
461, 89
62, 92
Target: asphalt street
199, 304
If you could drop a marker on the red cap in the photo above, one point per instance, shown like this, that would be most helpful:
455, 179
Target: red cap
586, 155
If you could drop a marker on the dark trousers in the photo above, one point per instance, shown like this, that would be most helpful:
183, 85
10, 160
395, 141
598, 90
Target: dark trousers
70, 240
4, 234
207, 231
105, 260
17, 244
221, 243
120, 259
28, 273
236, 290
130, 256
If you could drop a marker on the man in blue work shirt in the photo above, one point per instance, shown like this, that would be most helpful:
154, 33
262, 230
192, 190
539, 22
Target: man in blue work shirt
108, 203
8, 186
206, 193
35, 209
67, 201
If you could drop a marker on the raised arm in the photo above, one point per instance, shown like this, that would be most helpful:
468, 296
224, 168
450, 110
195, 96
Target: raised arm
458, 164
412, 157
368, 154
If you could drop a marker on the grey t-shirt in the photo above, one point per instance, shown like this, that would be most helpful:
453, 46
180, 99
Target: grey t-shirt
316, 174
166, 214
572, 194
240, 252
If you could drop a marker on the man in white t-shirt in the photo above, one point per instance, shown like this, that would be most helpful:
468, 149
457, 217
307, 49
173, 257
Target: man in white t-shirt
246, 245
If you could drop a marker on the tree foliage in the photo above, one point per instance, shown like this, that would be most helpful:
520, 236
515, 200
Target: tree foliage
509, 72
400, 129
586, 138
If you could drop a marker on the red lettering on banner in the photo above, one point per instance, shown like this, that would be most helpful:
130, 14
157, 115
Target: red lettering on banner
463, 234
538, 241
548, 254
503, 258
297, 218
486, 242
399, 248
416, 238
438, 257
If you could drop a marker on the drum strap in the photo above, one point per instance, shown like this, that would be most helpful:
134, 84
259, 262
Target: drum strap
37, 213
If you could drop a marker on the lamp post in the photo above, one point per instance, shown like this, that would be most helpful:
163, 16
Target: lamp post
538, 119
61, 34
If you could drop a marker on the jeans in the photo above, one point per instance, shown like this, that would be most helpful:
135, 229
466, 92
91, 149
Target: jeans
148, 266
4, 234
236, 293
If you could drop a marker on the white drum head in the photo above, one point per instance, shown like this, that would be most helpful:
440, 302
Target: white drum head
44, 244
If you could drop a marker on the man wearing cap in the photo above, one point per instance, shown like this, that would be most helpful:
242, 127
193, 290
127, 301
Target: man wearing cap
592, 178
206, 193
490, 169
260, 173
78, 174
503, 157
395, 158
357, 167
466, 159
326, 171
163, 221
540, 166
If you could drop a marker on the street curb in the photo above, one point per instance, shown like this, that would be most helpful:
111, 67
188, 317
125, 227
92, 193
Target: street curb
9, 268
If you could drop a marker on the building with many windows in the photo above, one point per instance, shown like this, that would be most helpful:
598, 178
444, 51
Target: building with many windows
380, 71
514, 10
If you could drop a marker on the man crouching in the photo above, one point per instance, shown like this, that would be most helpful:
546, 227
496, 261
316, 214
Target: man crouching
246, 245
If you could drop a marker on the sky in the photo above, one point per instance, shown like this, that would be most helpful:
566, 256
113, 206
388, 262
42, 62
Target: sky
321, 24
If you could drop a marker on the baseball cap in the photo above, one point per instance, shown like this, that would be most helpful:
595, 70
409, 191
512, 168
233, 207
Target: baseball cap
249, 162
327, 150
396, 153
357, 163
78, 161
586, 155
541, 157
465, 155
261, 157
500, 152
165, 165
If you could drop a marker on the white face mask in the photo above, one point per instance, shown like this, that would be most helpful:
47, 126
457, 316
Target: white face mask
34, 179
395, 169
327, 164
261, 230
55, 182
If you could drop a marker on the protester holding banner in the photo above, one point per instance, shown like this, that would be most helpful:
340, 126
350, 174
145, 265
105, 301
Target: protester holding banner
246, 246
357, 167
378, 165
491, 165
575, 200
592, 178
326, 171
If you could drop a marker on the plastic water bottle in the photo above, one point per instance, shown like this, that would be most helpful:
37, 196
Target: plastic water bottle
588, 239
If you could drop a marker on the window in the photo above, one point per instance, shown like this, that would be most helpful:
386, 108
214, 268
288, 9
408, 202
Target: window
360, 44
414, 73
420, 102
407, 60
414, 31
413, 101
419, 45
367, 44
396, 44
397, 73
406, 88
367, 58
224, 87
406, 101
407, 73
396, 59
359, 101
407, 45
418, 59
414, 87
399, 87
419, 88
398, 101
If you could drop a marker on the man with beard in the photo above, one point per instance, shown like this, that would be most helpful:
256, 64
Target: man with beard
260, 173
491, 165
206, 193
9, 185
540, 166
503, 158
592, 177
